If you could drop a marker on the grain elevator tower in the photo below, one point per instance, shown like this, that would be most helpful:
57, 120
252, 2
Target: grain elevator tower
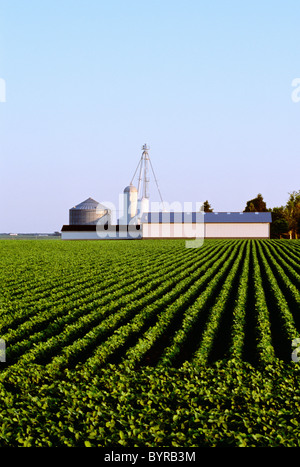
143, 182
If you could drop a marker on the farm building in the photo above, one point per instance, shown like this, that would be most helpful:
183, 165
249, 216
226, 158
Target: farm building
91, 220
179, 225
207, 225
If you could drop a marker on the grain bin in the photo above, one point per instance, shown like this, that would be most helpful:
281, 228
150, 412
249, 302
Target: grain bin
89, 212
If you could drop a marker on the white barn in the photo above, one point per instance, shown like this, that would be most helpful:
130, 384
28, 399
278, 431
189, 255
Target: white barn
207, 225
243, 225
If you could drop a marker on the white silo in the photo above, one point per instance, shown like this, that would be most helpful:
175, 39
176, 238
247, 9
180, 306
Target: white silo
143, 206
130, 203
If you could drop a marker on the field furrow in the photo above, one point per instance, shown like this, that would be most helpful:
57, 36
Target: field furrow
153, 304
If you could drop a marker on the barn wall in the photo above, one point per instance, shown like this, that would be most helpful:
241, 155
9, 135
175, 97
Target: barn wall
100, 235
176, 230
209, 230
179, 230
237, 230
79, 236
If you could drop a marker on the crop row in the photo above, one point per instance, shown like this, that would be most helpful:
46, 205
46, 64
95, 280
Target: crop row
137, 313
181, 305
283, 306
73, 289
203, 287
85, 297
106, 314
78, 297
215, 315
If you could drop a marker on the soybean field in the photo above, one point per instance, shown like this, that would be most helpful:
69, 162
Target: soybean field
149, 343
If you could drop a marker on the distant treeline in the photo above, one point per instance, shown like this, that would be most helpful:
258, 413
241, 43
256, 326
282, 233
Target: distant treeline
29, 235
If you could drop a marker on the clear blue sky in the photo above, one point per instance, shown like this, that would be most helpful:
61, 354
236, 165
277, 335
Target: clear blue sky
207, 84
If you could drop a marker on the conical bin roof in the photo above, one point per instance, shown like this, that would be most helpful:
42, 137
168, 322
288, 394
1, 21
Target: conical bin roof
90, 204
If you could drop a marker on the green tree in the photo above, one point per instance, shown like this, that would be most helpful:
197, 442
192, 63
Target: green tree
279, 227
277, 213
286, 219
207, 207
292, 213
256, 205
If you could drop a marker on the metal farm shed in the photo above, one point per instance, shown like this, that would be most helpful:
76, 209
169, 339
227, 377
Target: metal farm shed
208, 224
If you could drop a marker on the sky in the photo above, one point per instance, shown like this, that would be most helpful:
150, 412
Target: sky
211, 86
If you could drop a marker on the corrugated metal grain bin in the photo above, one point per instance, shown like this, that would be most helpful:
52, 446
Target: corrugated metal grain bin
89, 212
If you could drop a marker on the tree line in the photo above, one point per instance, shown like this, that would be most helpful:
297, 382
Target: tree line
285, 219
